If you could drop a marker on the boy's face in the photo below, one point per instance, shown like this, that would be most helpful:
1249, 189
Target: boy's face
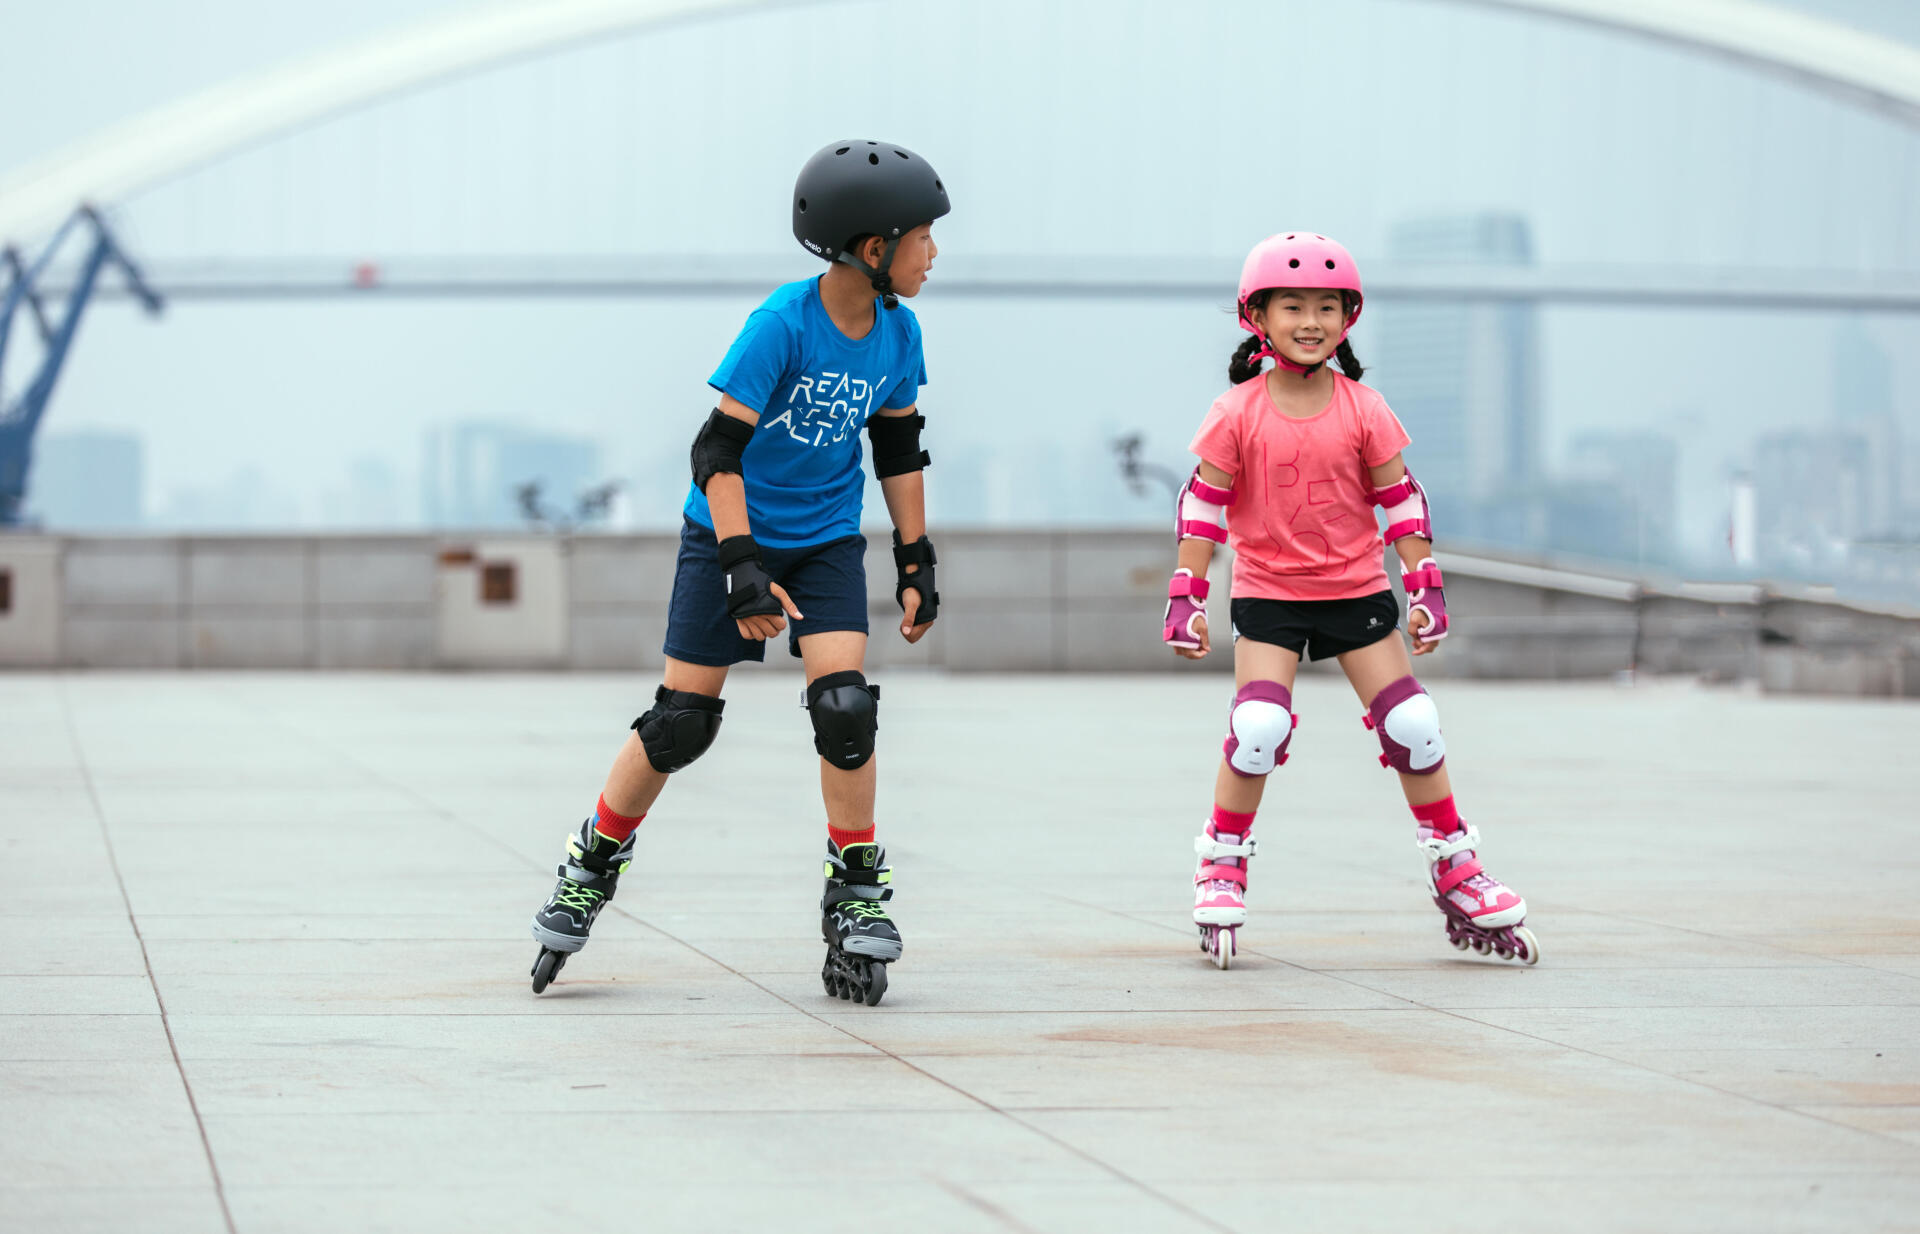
913, 260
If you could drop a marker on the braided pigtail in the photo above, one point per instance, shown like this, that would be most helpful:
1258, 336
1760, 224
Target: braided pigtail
1349, 363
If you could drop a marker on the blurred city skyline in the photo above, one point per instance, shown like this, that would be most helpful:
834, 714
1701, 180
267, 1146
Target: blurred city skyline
1065, 128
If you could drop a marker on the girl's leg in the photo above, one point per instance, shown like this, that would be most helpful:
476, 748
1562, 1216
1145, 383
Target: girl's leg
1481, 911
1373, 668
1252, 662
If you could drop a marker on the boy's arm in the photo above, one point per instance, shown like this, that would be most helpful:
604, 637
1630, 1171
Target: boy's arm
906, 497
755, 601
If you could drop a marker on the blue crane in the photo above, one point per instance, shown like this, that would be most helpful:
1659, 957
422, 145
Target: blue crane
21, 417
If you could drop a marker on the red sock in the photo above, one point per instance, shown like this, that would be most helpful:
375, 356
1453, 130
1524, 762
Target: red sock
843, 838
1233, 824
1440, 815
611, 825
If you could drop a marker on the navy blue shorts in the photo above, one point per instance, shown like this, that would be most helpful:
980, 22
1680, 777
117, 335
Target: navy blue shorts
827, 582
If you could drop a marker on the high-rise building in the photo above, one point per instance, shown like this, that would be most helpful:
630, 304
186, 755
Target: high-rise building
1464, 378
93, 479
1863, 405
1641, 471
472, 471
1811, 496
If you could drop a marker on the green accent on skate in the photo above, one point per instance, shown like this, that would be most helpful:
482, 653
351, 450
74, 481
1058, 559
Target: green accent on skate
577, 897
865, 909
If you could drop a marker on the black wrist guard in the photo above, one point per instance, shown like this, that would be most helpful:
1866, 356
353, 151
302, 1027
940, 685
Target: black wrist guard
919, 553
717, 447
749, 586
896, 445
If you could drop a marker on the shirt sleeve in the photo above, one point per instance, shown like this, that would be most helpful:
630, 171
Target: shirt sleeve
751, 370
1218, 441
1382, 435
906, 391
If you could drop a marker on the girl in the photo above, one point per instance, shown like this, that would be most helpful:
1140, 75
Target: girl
772, 535
1292, 462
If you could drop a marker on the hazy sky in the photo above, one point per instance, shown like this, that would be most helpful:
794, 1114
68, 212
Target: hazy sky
1062, 127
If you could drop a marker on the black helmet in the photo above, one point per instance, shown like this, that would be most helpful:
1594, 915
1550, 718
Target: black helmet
864, 188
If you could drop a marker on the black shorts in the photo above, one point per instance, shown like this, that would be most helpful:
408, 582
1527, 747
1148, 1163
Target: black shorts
1318, 629
828, 584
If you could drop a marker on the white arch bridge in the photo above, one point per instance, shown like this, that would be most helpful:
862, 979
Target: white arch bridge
1880, 75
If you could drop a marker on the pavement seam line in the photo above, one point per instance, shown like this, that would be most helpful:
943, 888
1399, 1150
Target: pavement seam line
133, 922
522, 859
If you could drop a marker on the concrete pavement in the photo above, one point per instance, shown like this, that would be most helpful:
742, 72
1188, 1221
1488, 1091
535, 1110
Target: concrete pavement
263, 966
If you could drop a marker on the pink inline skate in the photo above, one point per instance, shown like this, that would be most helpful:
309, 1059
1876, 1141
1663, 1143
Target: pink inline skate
1482, 913
1219, 890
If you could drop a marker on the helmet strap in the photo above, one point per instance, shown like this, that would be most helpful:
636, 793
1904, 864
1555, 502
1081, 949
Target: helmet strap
880, 278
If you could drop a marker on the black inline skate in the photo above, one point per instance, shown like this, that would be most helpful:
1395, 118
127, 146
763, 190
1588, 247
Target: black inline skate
861, 939
587, 881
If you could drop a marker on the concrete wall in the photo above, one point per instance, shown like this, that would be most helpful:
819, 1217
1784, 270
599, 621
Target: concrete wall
1011, 601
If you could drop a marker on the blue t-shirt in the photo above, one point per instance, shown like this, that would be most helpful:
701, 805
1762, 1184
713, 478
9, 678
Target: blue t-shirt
814, 388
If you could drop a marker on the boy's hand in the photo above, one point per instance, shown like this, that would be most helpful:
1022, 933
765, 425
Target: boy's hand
908, 630
758, 605
761, 626
916, 590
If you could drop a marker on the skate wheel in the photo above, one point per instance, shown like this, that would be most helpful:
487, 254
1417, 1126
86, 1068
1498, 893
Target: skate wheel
546, 967
876, 984
1223, 947
1481, 946
1459, 941
1529, 946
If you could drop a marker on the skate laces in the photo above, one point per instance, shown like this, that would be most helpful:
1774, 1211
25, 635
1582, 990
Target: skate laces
572, 895
865, 910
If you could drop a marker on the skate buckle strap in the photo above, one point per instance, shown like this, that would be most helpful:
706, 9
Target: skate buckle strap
1232, 874
1211, 849
847, 893
1440, 847
573, 872
1457, 875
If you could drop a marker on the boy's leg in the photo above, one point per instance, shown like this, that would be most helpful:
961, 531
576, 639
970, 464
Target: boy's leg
634, 783
848, 793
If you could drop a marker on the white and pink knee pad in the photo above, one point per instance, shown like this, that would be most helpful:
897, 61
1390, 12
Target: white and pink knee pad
1259, 728
1407, 723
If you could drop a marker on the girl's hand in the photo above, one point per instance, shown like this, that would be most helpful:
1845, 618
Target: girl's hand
763, 626
1418, 623
1184, 627
1206, 644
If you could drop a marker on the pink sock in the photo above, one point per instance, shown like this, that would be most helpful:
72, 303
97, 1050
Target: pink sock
1442, 815
611, 825
1233, 824
843, 838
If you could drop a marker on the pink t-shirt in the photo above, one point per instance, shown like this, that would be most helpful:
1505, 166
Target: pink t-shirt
1302, 526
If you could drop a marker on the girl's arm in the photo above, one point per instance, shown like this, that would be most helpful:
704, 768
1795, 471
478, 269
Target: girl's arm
1426, 602
1185, 625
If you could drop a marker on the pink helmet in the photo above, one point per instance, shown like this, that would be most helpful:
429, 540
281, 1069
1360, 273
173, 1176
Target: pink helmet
1302, 259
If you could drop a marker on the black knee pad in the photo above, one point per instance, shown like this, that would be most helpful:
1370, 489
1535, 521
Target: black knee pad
678, 728
845, 712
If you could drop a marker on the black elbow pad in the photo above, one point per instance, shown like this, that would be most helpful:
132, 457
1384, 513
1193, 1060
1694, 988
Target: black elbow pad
717, 447
896, 445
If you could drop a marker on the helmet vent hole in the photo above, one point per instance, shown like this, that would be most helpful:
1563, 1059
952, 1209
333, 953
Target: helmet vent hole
1329, 263
901, 153
1289, 237
874, 159
843, 149
1293, 263
803, 205
940, 186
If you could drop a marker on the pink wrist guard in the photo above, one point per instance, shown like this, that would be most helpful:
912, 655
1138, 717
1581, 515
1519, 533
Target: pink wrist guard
1424, 595
1186, 604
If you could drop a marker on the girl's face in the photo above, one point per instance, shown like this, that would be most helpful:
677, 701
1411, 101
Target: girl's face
1303, 326
912, 259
